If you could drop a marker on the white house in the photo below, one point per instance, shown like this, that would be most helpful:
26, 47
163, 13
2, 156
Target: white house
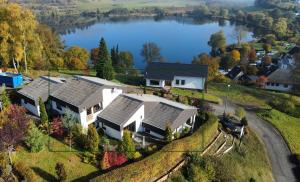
187, 76
281, 80
100, 102
39, 88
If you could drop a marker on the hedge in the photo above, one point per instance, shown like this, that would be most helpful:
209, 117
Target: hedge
162, 161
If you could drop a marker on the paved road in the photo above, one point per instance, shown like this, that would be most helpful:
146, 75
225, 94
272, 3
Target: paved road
278, 152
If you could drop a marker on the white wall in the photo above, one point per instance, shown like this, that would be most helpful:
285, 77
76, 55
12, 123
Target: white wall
190, 82
112, 132
31, 108
161, 83
280, 87
138, 117
109, 96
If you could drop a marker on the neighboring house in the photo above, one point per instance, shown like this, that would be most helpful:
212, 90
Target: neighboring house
281, 80
39, 88
145, 113
187, 76
11, 80
85, 96
287, 60
267, 70
235, 73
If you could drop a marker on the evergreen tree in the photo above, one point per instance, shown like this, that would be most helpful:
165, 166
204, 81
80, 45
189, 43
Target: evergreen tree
43, 113
93, 139
4, 98
34, 139
169, 135
104, 67
127, 145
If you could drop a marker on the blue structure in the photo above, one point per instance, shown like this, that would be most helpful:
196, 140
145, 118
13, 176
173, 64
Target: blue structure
11, 80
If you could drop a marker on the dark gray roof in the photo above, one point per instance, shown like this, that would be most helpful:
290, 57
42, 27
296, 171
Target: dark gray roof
79, 92
283, 76
39, 88
161, 115
167, 71
120, 110
234, 72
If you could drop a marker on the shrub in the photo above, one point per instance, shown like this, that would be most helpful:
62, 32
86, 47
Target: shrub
93, 139
286, 106
177, 135
34, 139
185, 131
137, 155
240, 112
88, 158
79, 137
169, 135
112, 159
178, 177
244, 121
61, 172
56, 128
43, 114
24, 172
4, 97
127, 145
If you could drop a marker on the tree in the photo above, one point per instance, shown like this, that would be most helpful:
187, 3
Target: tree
281, 26
76, 58
244, 121
105, 161
56, 127
34, 139
252, 70
4, 98
212, 62
115, 57
61, 172
127, 145
227, 62
169, 134
103, 57
104, 66
151, 52
252, 55
217, 42
270, 39
14, 128
235, 55
68, 122
43, 113
239, 33
92, 139
267, 48
94, 55
267, 60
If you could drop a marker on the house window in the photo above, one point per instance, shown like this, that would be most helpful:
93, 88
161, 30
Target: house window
97, 108
286, 85
25, 101
154, 82
58, 106
103, 126
89, 111
147, 130
277, 84
177, 82
268, 83
182, 82
272, 84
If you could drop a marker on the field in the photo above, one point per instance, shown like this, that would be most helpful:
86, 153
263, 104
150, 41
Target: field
43, 163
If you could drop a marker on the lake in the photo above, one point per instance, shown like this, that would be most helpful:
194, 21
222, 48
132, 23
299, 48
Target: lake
179, 40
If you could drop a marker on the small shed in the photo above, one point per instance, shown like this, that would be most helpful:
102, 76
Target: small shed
11, 80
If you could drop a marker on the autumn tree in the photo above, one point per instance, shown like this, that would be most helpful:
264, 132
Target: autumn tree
105, 161
212, 62
13, 128
267, 48
151, 52
235, 55
227, 62
251, 70
280, 27
217, 42
76, 58
94, 55
266, 60
252, 55
92, 139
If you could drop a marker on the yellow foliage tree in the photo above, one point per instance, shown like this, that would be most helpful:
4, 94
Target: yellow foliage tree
235, 55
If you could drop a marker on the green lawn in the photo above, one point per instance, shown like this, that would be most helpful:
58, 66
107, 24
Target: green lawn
43, 163
288, 126
196, 94
250, 160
